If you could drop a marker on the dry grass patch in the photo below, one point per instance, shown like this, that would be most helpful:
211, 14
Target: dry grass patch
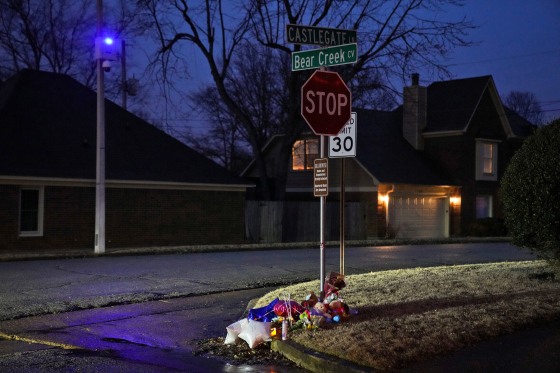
409, 315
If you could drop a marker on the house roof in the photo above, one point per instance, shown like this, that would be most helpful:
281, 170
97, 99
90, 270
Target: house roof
48, 129
452, 103
384, 152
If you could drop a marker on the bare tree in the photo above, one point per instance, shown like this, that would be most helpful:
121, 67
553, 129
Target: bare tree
257, 83
47, 35
395, 38
55, 35
526, 105
223, 142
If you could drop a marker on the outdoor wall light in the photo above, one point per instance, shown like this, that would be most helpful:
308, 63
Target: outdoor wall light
455, 201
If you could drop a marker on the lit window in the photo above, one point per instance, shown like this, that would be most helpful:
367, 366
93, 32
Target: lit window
483, 207
31, 212
304, 152
486, 160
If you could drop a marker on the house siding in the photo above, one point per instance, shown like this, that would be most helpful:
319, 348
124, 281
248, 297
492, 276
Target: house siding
134, 218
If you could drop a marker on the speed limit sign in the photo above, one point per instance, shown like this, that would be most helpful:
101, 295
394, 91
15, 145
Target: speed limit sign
344, 144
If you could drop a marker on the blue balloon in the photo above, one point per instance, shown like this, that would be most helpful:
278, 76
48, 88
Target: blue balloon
264, 314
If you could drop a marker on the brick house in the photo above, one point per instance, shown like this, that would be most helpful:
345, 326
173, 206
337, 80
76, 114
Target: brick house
428, 169
159, 192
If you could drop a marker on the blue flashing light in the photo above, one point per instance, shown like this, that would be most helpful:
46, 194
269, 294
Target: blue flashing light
108, 40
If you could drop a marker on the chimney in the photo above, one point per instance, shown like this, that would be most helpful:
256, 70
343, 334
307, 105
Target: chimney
414, 112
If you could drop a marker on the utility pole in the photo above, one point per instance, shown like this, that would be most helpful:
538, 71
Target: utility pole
100, 149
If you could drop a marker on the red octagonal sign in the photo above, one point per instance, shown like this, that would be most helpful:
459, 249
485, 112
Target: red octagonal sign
326, 103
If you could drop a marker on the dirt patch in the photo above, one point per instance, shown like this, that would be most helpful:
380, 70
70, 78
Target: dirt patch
240, 353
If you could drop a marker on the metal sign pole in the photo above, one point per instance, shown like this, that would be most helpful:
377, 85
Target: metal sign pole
322, 229
342, 220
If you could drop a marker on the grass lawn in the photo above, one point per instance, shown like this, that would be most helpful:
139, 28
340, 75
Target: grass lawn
410, 315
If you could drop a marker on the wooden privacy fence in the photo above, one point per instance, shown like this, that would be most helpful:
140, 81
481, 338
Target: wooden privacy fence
298, 221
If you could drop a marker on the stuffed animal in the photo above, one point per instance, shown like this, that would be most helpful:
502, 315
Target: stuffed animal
321, 309
310, 300
336, 279
339, 308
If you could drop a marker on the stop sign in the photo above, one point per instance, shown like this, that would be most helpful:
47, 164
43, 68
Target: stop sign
326, 102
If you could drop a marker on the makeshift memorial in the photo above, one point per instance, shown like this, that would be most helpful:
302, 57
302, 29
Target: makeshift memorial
279, 317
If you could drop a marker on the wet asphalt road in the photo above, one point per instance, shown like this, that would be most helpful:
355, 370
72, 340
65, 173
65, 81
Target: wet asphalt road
49, 286
158, 332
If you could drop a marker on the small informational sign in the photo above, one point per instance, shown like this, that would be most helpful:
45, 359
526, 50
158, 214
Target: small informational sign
321, 177
344, 144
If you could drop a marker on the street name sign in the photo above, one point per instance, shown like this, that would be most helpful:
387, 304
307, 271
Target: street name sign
326, 103
331, 56
344, 144
321, 177
310, 35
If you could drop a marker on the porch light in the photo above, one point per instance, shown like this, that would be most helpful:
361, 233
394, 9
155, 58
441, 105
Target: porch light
455, 201
384, 198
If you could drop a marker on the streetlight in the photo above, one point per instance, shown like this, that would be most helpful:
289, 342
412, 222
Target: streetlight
99, 245
104, 53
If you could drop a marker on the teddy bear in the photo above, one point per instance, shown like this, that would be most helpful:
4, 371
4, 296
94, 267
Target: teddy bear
310, 300
321, 309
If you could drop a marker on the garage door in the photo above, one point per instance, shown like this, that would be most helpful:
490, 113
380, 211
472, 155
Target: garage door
418, 217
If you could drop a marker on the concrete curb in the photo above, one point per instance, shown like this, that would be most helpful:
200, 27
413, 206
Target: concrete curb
315, 361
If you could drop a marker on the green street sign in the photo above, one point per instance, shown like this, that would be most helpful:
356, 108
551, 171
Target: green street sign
331, 56
300, 34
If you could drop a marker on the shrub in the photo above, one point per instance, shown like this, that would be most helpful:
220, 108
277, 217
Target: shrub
530, 191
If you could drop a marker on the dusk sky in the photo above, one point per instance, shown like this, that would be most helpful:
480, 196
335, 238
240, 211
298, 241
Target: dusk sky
518, 44
519, 47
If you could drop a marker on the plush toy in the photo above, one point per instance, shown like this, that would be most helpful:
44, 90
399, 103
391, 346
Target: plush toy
339, 308
310, 300
336, 279
331, 293
321, 309
333, 283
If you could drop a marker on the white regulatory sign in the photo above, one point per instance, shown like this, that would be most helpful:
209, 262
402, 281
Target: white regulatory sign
344, 144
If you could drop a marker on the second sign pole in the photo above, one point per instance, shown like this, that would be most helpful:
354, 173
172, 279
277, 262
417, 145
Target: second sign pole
323, 199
